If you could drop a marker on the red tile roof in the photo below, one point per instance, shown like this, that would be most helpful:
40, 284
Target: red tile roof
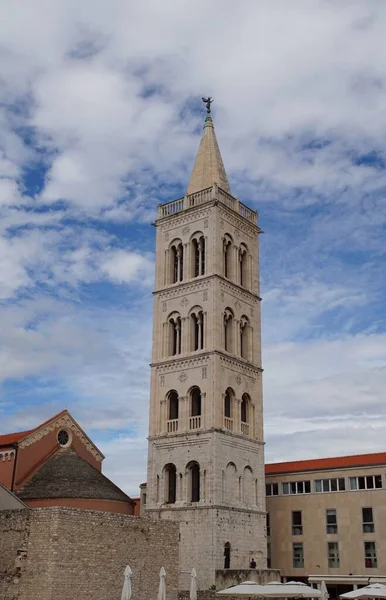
319, 464
13, 438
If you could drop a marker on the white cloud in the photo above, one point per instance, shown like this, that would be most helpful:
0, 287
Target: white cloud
102, 98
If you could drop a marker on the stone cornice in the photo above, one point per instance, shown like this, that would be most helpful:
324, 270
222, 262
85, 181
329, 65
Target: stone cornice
198, 435
185, 287
189, 215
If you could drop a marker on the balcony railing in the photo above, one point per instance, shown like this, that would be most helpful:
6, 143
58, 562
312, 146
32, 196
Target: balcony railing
245, 428
195, 422
212, 193
228, 423
172, 425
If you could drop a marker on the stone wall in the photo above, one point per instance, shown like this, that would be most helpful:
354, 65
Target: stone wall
226, 578
14, 529
60, 553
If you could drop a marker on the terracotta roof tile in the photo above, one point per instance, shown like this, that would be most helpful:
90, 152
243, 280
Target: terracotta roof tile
317, 464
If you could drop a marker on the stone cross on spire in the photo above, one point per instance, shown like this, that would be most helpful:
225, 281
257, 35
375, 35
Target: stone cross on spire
208, 167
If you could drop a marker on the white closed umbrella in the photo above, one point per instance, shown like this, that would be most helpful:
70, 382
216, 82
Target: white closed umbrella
324, 591
193, 585
374, 590
274, 589
162, 585
126, 590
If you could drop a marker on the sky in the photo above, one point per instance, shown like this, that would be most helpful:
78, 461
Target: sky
100, 120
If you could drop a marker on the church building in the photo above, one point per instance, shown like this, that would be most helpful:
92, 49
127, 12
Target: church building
206, 453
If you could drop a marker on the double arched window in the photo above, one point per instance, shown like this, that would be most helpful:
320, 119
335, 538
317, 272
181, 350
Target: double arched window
193, 472
176, 261
228, 329
228, 408
244, 413
227, 256
170, 475
173, 410
243, 266
245, 335
195, 408
174, 322
198, 254
197, 329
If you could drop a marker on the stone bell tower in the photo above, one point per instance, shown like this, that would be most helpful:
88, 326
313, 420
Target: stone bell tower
205, 460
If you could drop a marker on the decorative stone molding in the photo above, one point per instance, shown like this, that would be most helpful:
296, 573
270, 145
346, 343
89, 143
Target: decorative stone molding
7, 455
240, 224
182, 377
64, 421
235, 291
241, 368
184, 302
174, 221
182, 364
238, 379
183, 290
186, 230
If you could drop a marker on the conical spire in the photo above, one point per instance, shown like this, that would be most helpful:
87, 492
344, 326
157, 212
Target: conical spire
208, 167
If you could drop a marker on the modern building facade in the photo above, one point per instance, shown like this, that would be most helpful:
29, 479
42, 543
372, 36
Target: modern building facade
205, 458
326, 519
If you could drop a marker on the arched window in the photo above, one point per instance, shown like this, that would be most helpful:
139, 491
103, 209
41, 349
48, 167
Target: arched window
170, 472
248, 486
197, 330
195, 408
227, 556
173, 405
177, 261
244, 408
194, 481
227, 256
243, 266
228, 401
198, 255
174, 334
244, 337
172, 408
228, 330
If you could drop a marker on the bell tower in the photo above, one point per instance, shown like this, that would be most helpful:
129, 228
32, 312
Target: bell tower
205, 457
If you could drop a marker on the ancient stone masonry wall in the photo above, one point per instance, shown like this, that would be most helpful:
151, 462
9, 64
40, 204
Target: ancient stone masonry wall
14, 530
72, 553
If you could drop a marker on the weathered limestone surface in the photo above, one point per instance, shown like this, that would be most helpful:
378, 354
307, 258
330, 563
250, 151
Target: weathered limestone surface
61, 553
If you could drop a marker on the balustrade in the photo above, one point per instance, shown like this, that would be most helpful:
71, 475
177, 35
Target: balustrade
195, 422
172, 425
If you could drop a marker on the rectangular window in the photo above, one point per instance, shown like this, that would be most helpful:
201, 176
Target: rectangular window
330, 485
370, 482
144, 499
333, 555
272, 489
368, 520
297, 526
331, 521
298, 556
269, 558
268, 524
296, 487
370, 555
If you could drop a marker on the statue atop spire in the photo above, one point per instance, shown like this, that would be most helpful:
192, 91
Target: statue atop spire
208, 101
208, 167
